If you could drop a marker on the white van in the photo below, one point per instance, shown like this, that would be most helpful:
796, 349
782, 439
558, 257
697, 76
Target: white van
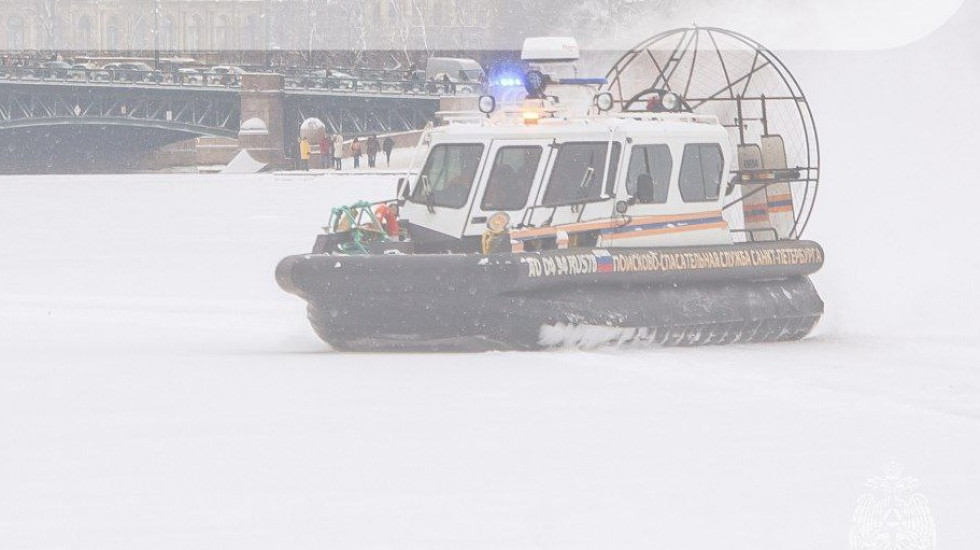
458, 70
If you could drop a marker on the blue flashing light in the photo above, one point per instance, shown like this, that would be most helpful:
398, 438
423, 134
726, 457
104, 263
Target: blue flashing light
509, 81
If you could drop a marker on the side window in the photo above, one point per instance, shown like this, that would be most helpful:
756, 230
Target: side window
511, 178
449, 172
701, 172
648, 175
577, 173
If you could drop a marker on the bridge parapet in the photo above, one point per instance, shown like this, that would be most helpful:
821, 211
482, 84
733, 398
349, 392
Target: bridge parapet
377, 83
262, 111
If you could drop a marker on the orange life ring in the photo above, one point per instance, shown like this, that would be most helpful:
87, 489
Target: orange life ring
388, 218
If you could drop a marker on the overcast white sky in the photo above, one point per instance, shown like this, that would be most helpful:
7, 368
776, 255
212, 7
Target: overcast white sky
805, 24
779, 24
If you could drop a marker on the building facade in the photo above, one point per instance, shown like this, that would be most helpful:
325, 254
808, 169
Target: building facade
180, 26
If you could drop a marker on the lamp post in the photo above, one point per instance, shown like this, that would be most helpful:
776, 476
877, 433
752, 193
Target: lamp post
267, 15
156, 35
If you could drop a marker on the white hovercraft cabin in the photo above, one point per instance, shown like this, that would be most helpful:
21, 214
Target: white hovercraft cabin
613, 180
558, 169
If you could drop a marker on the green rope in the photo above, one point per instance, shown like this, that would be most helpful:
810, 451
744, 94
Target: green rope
359, 236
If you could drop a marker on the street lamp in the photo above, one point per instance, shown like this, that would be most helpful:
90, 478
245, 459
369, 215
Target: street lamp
156, 35
268, 12
267, 15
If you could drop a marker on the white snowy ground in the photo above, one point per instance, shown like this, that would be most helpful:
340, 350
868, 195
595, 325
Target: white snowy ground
157, 390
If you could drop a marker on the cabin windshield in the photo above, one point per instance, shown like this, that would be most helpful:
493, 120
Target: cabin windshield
448, 175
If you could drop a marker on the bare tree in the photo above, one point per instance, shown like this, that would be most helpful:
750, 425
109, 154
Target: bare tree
352, 14
400, 32
136, 32
310, 46
46, 13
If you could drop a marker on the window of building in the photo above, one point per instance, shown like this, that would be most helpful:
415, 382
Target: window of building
222, 33
138, 35
577, 174
448, 175
113, 34
511, 178
84, 32
650, 165
701, 172
51, 32
250, 33
193, 39
168, 38
15, 33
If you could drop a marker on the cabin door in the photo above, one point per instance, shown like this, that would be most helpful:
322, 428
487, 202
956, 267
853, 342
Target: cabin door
579, 183
510, 180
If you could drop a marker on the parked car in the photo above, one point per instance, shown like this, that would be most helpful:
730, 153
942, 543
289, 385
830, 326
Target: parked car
187, 75
307, 78
142, 72
114, 71
133, 72
87, 71
54, 69
319, 78
226, 75
467, 75
337, 79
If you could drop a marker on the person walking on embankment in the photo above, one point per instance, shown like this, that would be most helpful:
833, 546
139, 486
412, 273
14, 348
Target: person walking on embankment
388, 145
304, 153
372, 147
355, 151
338, 150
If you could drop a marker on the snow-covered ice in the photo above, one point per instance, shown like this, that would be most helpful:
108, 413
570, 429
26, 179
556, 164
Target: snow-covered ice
157, 390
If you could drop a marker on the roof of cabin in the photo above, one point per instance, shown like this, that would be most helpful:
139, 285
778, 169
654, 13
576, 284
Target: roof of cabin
660, 125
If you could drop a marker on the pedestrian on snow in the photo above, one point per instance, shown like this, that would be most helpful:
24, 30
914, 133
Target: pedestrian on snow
388, 145
326, 156
372, 147
304, 153
338, 150
355, 151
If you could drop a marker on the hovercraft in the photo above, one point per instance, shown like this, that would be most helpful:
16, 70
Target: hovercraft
536, 225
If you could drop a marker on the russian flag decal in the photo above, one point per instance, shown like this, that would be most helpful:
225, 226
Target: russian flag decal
604, 260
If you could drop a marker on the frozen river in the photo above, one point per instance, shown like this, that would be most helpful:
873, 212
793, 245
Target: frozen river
158, 390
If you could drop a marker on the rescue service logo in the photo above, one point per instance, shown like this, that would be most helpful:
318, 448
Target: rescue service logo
892, 515
603, 261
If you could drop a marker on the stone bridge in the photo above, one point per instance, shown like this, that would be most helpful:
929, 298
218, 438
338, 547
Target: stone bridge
64, 124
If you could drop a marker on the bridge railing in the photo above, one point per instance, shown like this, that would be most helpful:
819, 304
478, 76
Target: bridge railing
120, 76
387, 83
381, 86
